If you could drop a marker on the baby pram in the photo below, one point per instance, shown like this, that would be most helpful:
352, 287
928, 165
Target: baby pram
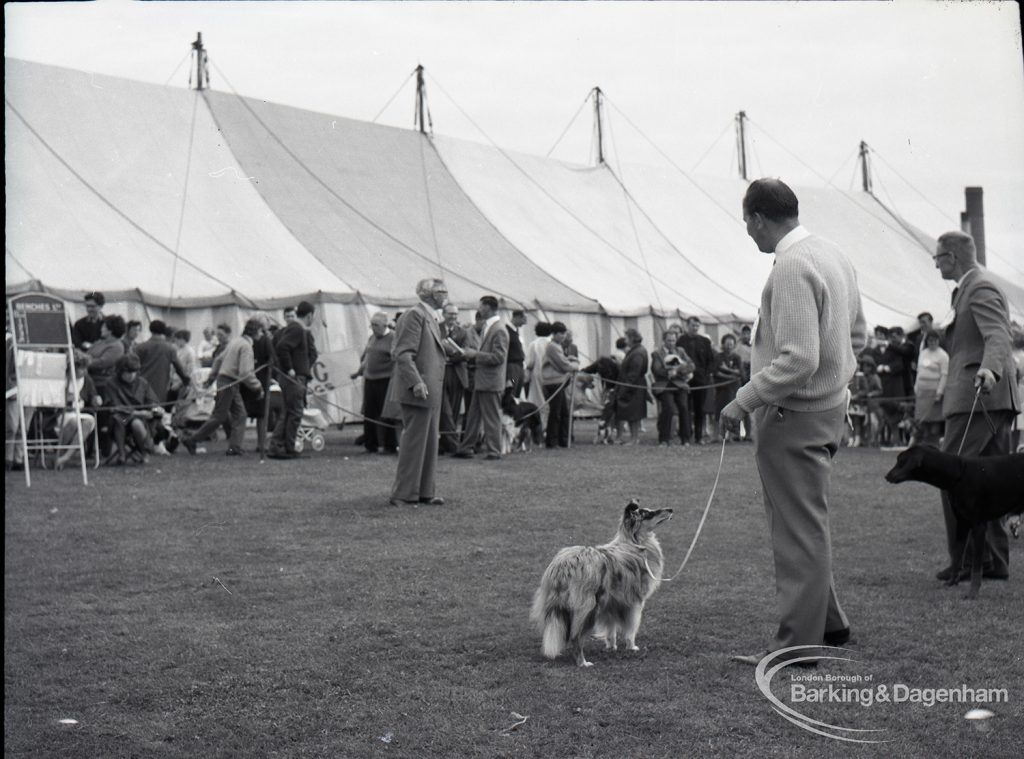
193, 407
311, 428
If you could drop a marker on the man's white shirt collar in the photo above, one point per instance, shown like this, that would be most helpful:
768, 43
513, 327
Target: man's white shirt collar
490, 322
792, 238
965, 275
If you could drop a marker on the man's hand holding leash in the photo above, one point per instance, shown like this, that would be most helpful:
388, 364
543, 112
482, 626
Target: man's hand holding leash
986, 380
731, 417
419, 390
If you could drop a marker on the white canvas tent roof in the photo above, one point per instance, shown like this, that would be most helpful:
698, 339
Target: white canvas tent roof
186, 199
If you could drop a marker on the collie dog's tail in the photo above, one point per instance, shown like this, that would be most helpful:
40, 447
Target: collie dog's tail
552, 621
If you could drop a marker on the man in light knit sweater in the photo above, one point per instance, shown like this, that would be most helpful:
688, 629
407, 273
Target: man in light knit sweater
236, 366
809, 330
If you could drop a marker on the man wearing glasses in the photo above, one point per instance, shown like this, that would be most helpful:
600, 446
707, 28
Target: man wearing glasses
980, 356
416, 386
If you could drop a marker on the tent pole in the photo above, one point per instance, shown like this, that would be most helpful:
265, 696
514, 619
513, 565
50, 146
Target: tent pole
865, 170
741, 142
420, 97
200, 60
598, 126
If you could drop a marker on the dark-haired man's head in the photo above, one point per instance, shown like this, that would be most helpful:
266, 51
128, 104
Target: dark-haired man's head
558, 331
770, 211
94, 302
488, 306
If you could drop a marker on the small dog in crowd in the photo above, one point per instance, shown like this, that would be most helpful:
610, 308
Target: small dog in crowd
526, 421
600, 590
980, 489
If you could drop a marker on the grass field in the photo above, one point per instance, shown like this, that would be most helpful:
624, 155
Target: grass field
213, 607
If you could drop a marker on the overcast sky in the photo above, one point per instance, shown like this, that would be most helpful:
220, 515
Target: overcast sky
936, 89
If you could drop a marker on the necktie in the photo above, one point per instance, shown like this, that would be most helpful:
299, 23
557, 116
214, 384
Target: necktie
953, 299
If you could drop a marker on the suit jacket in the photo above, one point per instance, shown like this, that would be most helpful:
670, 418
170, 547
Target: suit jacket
419, 357
292, 345
460, 336
491, 360
698, 348
979, 338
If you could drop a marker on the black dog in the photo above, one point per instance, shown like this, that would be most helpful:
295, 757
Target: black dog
980, 490
527, 420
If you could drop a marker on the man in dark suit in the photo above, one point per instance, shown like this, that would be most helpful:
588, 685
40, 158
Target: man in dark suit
979, 347
295, 351
456, 379
484, 415
516, 354
698, 348
415, 389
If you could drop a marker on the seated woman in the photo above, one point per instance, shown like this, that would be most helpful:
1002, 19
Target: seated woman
134, 408
86, 397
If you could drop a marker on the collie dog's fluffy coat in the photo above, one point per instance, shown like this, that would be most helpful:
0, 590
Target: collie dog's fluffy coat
600, 590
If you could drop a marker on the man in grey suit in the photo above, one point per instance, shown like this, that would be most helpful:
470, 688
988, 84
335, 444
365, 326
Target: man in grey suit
809, 331
416, 387
979, 347
484, 415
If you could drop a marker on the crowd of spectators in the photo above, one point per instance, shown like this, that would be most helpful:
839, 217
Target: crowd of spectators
896, 394
128, 386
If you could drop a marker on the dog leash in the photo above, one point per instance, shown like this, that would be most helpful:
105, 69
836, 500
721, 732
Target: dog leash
700, 525
991, 424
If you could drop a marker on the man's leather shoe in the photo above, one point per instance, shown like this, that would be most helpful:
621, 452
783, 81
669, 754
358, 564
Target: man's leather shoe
492, 457
400, 502
462, 455
837, 637
992, 574
946, 574
755, 659
435, 500
233, 452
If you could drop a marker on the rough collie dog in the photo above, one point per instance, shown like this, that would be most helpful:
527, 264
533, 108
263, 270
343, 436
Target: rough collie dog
600, 590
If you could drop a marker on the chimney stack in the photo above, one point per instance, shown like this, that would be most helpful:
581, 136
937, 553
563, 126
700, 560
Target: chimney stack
972, 221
